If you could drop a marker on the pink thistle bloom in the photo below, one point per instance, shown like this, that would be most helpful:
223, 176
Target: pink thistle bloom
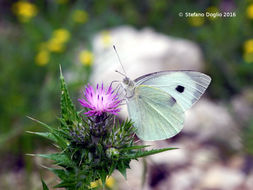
100, 101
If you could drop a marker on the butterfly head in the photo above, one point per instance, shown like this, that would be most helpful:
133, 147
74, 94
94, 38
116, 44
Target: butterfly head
128, 85
128, 82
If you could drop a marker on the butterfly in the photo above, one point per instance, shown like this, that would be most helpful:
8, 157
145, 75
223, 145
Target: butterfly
157, 101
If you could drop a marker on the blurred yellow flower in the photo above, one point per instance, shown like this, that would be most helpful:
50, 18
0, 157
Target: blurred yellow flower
211, 10
250, 11
248, 51
42, 58
54, 45
248, 46
80, 16
106, 38
248, 57
110, 182
24, 10
86, 57
58, 40
95, 184
196, 21
61, 35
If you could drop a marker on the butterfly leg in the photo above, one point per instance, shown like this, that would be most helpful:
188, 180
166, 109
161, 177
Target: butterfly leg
114, 82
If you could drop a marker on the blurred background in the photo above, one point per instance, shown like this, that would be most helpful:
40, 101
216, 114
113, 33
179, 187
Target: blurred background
216, 145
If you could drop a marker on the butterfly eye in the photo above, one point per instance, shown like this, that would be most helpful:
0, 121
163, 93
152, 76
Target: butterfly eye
180, 88
126, 80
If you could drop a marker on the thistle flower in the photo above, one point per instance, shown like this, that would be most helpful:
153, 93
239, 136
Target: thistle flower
100, 101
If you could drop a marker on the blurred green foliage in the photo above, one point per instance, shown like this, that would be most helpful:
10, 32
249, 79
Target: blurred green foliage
248, 139
37, 36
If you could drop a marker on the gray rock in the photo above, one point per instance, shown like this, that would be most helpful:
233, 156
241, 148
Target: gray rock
212, 121
220, 177
243, 105
142, 52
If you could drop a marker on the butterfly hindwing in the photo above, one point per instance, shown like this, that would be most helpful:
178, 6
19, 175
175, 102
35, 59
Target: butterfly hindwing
155, 113
185, 86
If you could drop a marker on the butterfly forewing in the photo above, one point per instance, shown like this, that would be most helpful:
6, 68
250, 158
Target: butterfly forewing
185, 86
155, 113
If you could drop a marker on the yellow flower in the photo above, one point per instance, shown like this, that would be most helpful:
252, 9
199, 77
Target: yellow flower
110, 182
58, 40
248, 51
61, 35
86, 57
250, 11
196, 21
24, 10
106, 38
95, 184
42, 58
80, 16
55, 46
248, 57
248, 46
212, 9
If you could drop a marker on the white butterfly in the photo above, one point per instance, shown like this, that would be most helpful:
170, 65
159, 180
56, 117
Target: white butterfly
157, 101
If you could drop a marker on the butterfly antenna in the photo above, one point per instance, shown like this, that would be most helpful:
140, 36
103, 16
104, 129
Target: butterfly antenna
119, 60
120, 73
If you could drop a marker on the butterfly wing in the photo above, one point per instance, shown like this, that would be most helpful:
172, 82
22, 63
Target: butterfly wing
185, 86
155, 113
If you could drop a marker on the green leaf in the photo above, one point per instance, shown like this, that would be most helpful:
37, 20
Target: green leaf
140, 154
103, 175
122, 168
66, 184
60, 141
60, 159
68, 110
44, 185
46, 135
61, 173
51, 129
135, 147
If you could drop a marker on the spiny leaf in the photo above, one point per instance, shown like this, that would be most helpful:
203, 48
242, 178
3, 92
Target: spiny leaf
66, 184
122, 166
68, 111
147, 153
60, 159
61, 173
44, 185
103, 175
46, 135
61, 142
51, 129
135, 147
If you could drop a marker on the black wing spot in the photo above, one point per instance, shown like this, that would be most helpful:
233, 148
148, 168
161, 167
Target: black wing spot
180, 88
